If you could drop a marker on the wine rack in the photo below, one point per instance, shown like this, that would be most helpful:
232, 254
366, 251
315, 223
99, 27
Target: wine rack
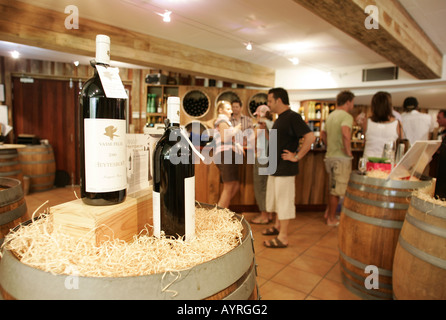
196, 104
229, 96
257, 100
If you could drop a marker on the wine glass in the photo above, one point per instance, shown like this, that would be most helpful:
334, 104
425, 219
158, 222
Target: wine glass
362, 165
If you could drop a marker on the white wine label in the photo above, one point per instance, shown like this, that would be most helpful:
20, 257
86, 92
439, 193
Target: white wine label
111, 82
105, 155
189, 205
156, 206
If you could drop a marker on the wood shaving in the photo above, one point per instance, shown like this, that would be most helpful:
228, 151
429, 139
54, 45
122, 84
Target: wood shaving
41, 246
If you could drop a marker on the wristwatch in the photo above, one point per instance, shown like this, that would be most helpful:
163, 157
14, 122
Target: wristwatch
296, 157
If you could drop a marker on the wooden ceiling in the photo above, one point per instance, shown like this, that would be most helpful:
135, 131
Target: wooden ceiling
398, 39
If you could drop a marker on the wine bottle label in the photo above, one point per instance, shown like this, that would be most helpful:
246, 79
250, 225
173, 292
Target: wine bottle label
189, 199
105, 155
156, 205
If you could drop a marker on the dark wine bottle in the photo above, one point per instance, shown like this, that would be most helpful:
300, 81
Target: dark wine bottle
440, 187
173, 180
102, 138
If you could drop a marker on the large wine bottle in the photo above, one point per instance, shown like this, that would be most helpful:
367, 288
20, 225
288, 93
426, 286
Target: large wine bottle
173, 180
102, 135
440, 188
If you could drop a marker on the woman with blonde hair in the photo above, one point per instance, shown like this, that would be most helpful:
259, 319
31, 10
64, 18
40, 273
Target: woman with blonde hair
226, 153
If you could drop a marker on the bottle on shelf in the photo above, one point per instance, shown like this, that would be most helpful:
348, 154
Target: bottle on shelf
173, 180
103, 133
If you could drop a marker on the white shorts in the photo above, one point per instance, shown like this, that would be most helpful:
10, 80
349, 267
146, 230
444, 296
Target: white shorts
280, 194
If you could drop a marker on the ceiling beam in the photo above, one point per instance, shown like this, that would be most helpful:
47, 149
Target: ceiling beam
35, 26
398, 37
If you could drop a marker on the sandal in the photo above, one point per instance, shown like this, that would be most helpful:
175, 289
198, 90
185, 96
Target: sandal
271, 232
275, 244
260, 221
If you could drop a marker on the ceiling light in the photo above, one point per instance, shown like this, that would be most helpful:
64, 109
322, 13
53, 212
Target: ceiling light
15, 54
295, 61
76, 63
165, 15
248, 46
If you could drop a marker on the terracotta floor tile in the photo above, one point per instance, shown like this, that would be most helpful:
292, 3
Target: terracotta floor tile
275, 291
297, 279
332, 290
323, 253
267, 268
312, 265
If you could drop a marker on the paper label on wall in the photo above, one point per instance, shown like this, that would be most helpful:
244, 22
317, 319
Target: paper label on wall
111, 82
105, 155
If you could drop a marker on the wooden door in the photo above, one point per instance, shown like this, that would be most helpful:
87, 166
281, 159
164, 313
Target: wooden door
49, 110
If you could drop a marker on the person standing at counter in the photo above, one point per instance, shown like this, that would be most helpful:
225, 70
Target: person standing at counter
416, 125
381, 127
264, 124
338, 159
247, 127
226, 151
280, 190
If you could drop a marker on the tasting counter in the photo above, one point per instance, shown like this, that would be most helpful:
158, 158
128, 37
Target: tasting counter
311, 183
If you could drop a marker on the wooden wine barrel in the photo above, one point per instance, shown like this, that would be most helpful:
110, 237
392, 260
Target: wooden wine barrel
9, 164
231, 276
419, 267
371, 220
39, 165
12, 205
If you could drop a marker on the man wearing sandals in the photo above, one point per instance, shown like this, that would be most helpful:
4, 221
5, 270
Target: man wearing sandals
280, 190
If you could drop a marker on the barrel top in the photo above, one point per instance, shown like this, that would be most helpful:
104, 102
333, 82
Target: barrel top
193, 283
387, 183
428, 207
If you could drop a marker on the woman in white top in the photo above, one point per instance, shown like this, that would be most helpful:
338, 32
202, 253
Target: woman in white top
381, 127
226, 149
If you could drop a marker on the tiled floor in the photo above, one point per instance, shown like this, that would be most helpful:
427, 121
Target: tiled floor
307, 269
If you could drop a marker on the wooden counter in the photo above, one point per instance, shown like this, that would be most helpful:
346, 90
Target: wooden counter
311, 184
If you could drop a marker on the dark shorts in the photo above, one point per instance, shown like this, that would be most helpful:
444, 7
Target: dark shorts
228, 171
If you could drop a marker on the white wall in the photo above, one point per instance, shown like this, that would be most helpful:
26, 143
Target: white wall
304, 82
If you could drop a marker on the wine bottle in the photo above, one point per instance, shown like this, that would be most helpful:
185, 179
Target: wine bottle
102, 137
440, 187
173, 180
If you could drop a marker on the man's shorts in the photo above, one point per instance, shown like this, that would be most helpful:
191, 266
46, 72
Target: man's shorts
339, 170
280, 194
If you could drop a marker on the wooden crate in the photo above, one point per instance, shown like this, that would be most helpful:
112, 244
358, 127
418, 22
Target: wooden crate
100, 223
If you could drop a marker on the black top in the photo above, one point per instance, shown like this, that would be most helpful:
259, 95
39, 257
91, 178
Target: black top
290, 129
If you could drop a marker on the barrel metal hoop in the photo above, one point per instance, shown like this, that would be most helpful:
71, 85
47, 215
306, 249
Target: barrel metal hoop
9, 163
13, 214
379, 204
358, 290
420, 254
429, 208
41, 175
362, 266
37, 162
438, 231
390, 224
10, 173
363, 278
384, 192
